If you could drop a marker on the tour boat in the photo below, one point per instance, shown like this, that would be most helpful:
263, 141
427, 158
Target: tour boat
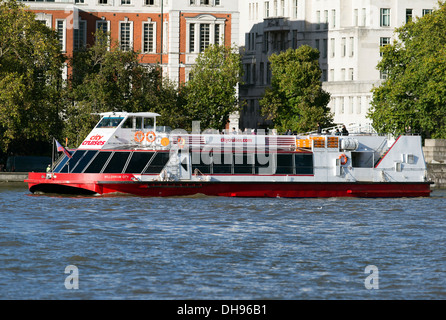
127, 153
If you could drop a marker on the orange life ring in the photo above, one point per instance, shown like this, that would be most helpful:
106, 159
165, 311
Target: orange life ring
343, 159
181, 142
139, 136
151, 136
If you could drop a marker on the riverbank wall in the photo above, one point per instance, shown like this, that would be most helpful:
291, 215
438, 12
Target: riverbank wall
13, 176
435, 157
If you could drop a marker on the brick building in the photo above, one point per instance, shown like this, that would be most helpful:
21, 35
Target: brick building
169, 32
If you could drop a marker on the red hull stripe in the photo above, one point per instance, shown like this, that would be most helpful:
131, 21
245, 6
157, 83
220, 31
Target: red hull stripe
123, 183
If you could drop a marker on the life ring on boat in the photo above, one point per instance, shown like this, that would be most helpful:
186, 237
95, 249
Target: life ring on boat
139, 136
151, 136
181, 142
343, 159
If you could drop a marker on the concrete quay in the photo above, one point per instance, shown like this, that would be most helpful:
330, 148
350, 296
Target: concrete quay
13, 176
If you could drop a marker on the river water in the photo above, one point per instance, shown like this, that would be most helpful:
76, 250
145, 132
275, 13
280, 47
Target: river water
125, 247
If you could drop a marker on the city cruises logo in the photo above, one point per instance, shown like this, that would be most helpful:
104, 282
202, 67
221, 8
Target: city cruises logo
94, 141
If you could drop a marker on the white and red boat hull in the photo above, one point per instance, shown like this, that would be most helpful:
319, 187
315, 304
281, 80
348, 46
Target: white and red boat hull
103, 184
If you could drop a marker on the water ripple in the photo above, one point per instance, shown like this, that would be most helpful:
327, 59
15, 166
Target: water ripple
220, 248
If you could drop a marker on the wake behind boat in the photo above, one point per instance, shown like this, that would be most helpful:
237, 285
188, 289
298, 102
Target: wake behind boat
128, 153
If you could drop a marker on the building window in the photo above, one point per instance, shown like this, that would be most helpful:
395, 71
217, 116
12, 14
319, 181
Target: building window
79, 36
61, 33
266, 9
324, 48
262, 70
126, 1
295, 9
103, 1
204, 36
350, 74
364, 17
149, 2
383, 75
125, 38
148, 45
383, 41
318, 20
427, 11
385, 17
333, 18
343, 47
409, 15
217, 35
352, 46
355, 17
332, 47
294, 40
192, 37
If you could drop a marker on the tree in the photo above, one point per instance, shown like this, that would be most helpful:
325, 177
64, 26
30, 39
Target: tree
414, 93
296, 99
211, 93
30, 79
110, 79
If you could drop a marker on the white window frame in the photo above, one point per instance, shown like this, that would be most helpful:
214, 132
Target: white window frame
63, 41
108, 30
153, 24
385, 17
204, 19
83, 35
130, 33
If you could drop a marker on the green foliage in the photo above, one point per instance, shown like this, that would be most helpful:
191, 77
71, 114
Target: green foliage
414, 93
296, 99
210, 94
109, 79
30, 78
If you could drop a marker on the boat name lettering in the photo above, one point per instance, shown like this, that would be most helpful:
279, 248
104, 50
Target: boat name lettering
94, 141
236, 140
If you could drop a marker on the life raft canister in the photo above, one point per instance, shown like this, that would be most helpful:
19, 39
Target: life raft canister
343, 159
151, 136
139, 136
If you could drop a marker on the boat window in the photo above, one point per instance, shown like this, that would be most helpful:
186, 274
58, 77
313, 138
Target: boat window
243, 163
304, 163
117, 162
138, 162
61, 164
362, 159
264, 163
109, 122
71, 163
128, 123
148, 123
284, 164
80, 166
222, 163
203, 166
158, 163
98, 162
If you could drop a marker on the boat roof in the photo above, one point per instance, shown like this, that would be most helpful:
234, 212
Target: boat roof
135, 114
